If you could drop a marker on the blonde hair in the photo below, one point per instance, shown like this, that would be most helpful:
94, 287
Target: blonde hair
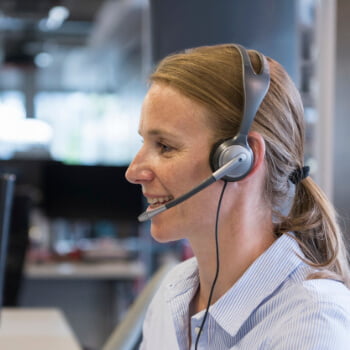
212, 76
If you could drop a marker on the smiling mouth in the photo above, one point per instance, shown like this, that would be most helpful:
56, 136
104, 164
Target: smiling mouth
157, 201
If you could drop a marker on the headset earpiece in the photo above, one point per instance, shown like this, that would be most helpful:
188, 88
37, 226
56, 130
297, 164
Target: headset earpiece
224, 151
255, 87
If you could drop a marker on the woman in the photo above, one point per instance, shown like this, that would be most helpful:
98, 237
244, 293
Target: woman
269, 256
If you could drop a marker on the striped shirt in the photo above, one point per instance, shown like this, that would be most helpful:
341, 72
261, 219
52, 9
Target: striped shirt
272, 306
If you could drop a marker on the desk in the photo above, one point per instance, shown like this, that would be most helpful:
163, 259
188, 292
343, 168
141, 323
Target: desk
93, 296
118, 270
35, 329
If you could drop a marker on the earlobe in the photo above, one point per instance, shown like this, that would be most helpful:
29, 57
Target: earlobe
257, 144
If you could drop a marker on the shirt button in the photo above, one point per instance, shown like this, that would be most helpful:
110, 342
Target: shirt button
197, 329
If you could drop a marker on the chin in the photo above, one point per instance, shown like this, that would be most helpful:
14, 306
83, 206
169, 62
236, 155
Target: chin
164, 234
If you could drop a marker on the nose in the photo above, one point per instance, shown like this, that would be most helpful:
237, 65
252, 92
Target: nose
139, 172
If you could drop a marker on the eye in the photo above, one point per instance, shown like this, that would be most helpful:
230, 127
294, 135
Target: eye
164, 148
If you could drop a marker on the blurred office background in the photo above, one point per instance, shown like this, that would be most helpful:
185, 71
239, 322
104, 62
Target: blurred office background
72, 77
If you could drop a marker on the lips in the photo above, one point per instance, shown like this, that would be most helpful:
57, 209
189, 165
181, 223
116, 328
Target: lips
156, 201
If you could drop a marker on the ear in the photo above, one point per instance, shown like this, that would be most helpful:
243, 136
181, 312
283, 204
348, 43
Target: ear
257, 144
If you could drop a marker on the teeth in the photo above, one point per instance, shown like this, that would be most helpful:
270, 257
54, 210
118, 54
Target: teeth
159, 200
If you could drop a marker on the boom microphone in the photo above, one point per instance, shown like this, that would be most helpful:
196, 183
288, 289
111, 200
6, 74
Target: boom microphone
215, 176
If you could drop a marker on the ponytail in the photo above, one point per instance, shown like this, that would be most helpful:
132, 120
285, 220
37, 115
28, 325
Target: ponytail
313, 220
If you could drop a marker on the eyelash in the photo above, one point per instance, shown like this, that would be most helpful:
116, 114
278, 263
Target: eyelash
163, 147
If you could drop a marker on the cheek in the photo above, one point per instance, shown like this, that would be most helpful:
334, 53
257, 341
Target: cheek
200, 210
197, 171
190, 177
181, 177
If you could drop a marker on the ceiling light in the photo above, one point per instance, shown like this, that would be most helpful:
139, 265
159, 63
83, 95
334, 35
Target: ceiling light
43, 59
57, 15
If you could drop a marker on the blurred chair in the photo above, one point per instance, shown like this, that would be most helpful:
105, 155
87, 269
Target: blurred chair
7, 182
128, 334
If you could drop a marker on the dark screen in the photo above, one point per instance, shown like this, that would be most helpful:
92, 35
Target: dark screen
89, 192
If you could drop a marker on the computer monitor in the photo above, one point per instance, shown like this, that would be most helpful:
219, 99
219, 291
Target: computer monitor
89, 192
7, 182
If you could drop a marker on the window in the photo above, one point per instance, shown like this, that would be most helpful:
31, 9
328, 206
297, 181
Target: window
90, 128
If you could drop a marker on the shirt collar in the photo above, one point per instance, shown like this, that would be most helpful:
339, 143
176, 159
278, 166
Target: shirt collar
184, 280
259, 281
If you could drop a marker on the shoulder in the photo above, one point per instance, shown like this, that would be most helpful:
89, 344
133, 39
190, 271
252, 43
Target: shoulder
158, 326
322, 295
179, 278
327, 290
317, 297
185, 270
316, 314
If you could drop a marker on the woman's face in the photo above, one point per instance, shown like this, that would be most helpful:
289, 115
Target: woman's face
173, 159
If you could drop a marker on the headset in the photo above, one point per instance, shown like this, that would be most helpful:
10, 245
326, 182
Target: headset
232, 159
255, 87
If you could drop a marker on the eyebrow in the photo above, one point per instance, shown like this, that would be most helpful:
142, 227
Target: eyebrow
159, 132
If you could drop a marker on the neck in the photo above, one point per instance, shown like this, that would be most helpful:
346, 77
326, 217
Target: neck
242, 239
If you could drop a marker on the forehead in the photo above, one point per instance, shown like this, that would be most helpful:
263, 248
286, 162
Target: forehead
166, 110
